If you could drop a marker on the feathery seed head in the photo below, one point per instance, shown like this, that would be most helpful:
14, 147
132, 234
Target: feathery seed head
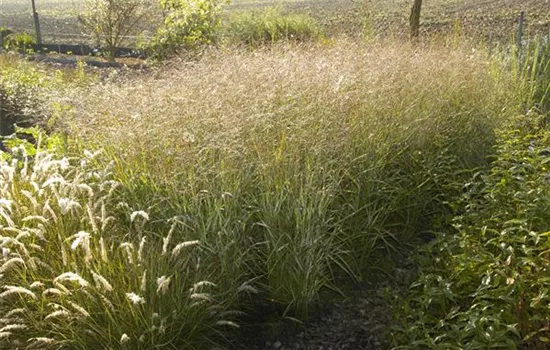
12, 290
72, 277
58, 314
135, 299
163, 283
177, 249
140, 213
101, 282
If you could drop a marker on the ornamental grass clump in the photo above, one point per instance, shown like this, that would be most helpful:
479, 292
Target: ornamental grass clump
79, 270
296, 164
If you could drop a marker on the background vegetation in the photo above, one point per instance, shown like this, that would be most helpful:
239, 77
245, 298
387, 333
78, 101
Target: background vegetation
166, 205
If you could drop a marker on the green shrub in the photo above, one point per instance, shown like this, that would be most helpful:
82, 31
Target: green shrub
259, 27
19, 41
485, 284
111, 21
188, 25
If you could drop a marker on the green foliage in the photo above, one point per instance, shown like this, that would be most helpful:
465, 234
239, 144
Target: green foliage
19, 41
259, 27
485, 284
188, 25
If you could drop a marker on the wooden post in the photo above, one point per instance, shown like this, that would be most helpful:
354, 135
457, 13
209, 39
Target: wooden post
415, 18
36, 24
521, 27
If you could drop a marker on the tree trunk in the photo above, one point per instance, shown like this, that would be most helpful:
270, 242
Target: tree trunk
415, 18
36, 24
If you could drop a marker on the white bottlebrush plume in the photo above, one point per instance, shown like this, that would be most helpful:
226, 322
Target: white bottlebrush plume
86, 189
15, 312
177, 249
247, 288
12, 290
68, 205
227, 323
11, 262
42, 341
13, 327
80, 309
101, 282
48, 209
105, 223
38, 218
129, 249
72, 277
140, 213
53, 292
53, 180
30, 197
90, 154
163, 283
141, 248
103, 250
200, 296
107, 302
6, 217
58, 314
124, 339
201, 284
92, 218
6, 204
143, 286
135, 299
81, 238
36, 285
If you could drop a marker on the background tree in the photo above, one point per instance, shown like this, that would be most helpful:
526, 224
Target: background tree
415, 18
111, 21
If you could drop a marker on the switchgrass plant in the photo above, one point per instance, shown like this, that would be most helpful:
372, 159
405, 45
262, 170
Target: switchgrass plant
25, 87
298, 163
531, 67
81, 270
254, 28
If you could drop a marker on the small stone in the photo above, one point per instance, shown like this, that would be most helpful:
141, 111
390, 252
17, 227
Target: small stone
277, 344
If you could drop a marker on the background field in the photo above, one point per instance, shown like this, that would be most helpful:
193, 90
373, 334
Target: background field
487, 20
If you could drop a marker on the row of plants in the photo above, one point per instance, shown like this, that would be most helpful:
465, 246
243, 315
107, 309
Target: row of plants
483, 282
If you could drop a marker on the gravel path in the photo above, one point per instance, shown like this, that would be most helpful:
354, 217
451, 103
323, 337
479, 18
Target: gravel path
356, 323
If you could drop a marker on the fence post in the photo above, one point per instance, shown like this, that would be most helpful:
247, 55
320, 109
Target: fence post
36, 24
521, 27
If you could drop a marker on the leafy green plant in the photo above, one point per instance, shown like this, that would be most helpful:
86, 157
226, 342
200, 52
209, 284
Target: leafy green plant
485, 284
188, 25
19, 41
